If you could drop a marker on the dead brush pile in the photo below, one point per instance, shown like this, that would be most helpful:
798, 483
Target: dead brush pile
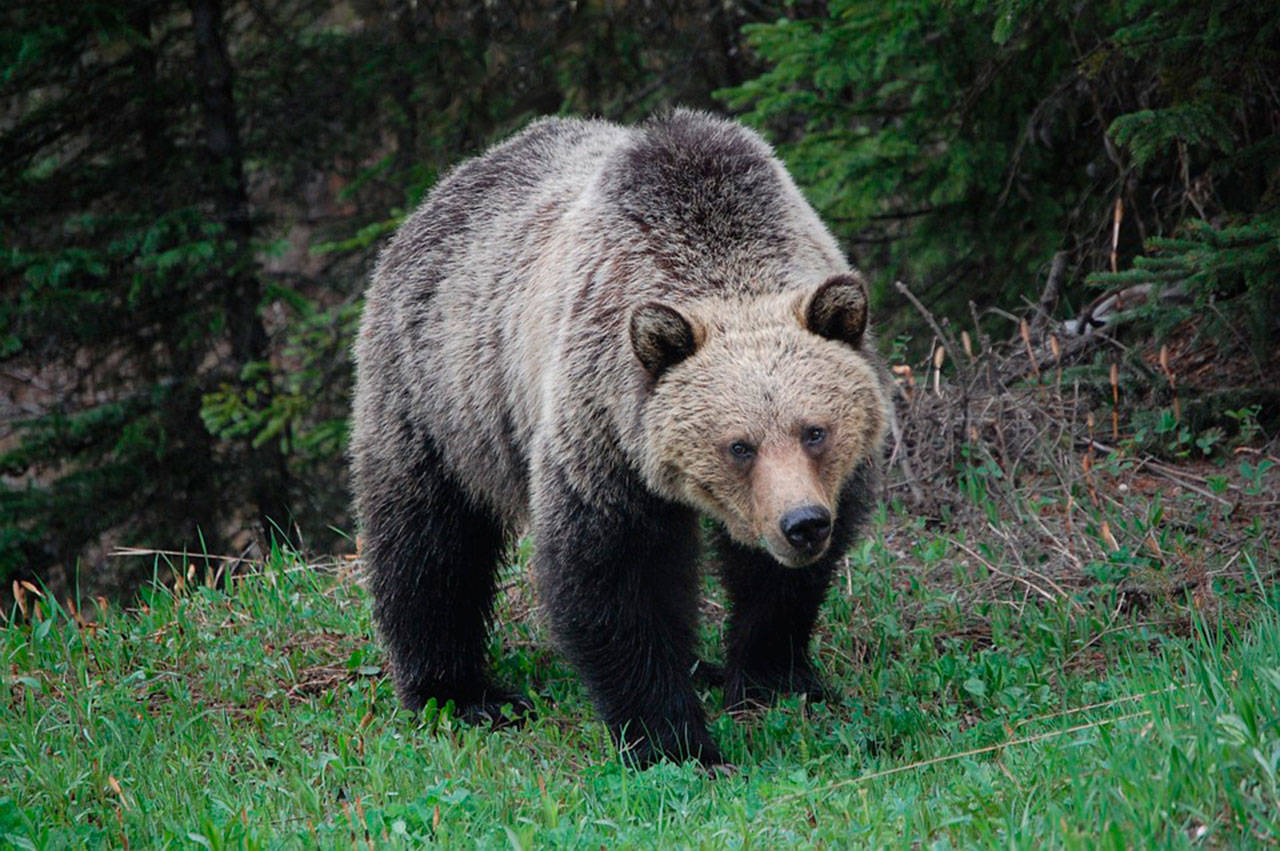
1025, 455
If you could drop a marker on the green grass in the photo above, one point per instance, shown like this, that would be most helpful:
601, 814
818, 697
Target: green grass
976, 712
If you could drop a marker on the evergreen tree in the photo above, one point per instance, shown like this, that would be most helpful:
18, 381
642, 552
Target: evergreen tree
131, 284
191, 192
961, 145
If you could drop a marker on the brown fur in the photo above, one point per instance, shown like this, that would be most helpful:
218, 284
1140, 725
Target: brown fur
760, 377
568, 337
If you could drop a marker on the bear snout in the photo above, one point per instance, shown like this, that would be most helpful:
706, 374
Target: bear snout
806, 528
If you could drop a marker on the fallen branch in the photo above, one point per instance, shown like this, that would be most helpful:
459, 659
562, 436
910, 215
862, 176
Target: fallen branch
899, 452
946, 338
1163, 471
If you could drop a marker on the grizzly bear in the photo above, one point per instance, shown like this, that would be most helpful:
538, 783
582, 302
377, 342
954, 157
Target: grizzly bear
598, 334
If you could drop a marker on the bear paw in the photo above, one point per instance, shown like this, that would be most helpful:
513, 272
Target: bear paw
485, 707
751, 689
496, 708
641, 748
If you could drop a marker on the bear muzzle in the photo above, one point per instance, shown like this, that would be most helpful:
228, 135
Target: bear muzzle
806, 528
802, 536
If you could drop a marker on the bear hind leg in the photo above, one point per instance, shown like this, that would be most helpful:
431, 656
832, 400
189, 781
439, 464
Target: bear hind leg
431, 556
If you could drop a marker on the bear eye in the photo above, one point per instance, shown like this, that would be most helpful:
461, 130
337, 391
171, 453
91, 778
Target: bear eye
814, 436
741, 450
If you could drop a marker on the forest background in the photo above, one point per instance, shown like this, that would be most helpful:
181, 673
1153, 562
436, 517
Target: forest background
192, 195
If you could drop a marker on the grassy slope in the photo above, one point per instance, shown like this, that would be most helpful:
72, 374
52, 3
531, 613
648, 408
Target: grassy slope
259, 718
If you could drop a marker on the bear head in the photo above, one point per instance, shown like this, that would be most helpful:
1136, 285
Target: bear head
759, 409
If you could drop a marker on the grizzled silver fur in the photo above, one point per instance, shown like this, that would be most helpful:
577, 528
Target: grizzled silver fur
555, 341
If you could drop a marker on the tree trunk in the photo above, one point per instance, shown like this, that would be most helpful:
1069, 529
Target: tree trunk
405, 51
194, 482
266, 471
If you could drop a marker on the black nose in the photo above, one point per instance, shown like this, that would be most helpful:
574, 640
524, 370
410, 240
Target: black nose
806, 527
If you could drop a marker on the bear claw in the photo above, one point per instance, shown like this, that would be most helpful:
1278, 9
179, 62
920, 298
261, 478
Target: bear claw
721, 769
497, 710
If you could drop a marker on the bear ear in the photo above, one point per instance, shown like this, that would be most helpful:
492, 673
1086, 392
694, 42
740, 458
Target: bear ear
837, 310
661, 337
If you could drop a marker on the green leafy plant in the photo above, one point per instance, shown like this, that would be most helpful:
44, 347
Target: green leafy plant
302, 406
1255, 474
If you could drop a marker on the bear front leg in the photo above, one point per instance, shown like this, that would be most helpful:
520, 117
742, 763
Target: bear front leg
772, 610
430, 556
618, 579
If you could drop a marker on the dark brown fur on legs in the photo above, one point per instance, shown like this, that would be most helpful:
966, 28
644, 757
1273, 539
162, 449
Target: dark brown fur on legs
772, 609
620, 586
431, 556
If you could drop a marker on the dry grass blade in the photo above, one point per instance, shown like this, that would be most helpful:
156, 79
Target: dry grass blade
951, 757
